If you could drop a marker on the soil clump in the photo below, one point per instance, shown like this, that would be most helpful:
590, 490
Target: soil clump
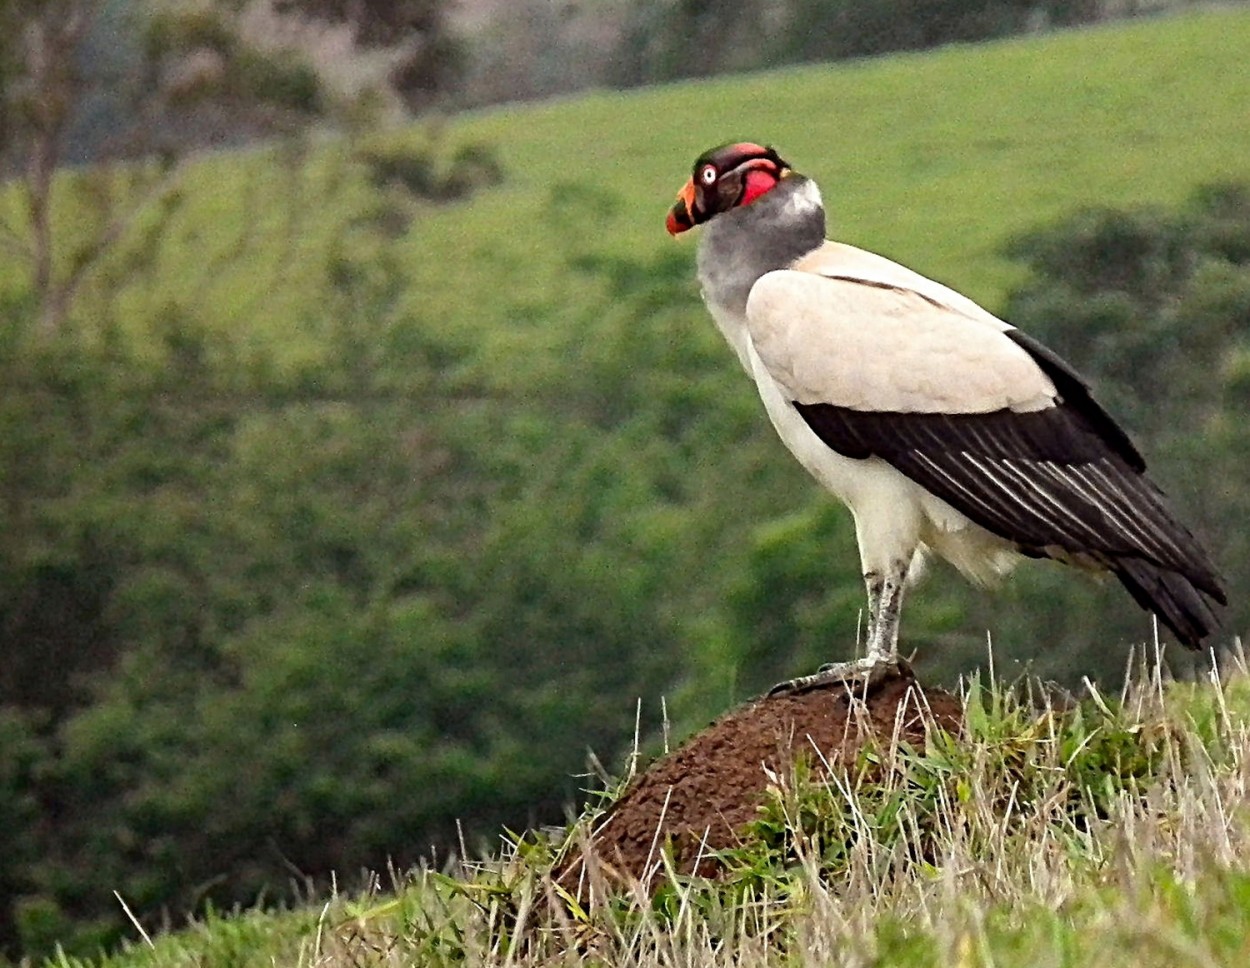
697, 798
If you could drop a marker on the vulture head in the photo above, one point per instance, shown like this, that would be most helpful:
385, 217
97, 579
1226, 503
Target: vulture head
727, 177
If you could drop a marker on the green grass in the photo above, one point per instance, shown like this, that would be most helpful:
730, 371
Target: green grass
1111, 831
935, 159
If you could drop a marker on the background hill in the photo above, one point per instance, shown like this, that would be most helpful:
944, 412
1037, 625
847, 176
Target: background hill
371, 481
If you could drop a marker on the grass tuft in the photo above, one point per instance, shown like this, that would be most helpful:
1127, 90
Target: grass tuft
1054, 830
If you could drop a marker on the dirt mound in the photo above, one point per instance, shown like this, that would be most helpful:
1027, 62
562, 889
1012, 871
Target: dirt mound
697, 798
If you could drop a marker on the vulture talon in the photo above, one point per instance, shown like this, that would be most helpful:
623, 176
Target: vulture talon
858, 674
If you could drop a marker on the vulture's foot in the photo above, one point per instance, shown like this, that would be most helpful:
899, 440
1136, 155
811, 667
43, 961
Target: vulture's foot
859, 673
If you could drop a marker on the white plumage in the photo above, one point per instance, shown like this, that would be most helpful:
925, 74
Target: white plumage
869, 334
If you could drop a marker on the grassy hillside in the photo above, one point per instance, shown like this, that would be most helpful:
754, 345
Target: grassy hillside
933, 158
1108, 832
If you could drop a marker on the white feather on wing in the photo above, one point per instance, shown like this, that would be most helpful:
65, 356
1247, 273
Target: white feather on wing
868, 345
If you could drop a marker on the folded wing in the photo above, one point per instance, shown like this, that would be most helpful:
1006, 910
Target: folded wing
982, 417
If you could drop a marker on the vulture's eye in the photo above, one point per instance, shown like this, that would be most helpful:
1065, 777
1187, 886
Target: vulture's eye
708, 175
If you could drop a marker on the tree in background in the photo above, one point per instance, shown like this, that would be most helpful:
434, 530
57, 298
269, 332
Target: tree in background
138, 86
428, 58
696, 38
667, 39
147, 569
824, 30
39, 48
60, 73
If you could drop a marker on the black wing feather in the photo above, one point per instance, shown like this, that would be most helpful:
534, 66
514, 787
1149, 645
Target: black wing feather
1075, 392
1064, 481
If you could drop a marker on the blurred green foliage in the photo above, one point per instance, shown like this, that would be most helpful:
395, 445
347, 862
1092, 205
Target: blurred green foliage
667, 39
254, 623
336, 515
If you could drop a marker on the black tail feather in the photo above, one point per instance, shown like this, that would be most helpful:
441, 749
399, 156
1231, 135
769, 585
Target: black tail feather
1172, 597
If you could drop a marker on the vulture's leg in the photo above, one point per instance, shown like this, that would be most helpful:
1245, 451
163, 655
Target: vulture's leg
885, 600
886, 611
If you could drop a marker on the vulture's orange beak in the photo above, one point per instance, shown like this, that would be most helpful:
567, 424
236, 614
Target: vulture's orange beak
679, 216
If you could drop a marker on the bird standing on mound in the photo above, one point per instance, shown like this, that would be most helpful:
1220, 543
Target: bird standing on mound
941, 427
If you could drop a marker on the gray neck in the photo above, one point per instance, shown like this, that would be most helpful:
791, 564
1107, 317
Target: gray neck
739, 246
